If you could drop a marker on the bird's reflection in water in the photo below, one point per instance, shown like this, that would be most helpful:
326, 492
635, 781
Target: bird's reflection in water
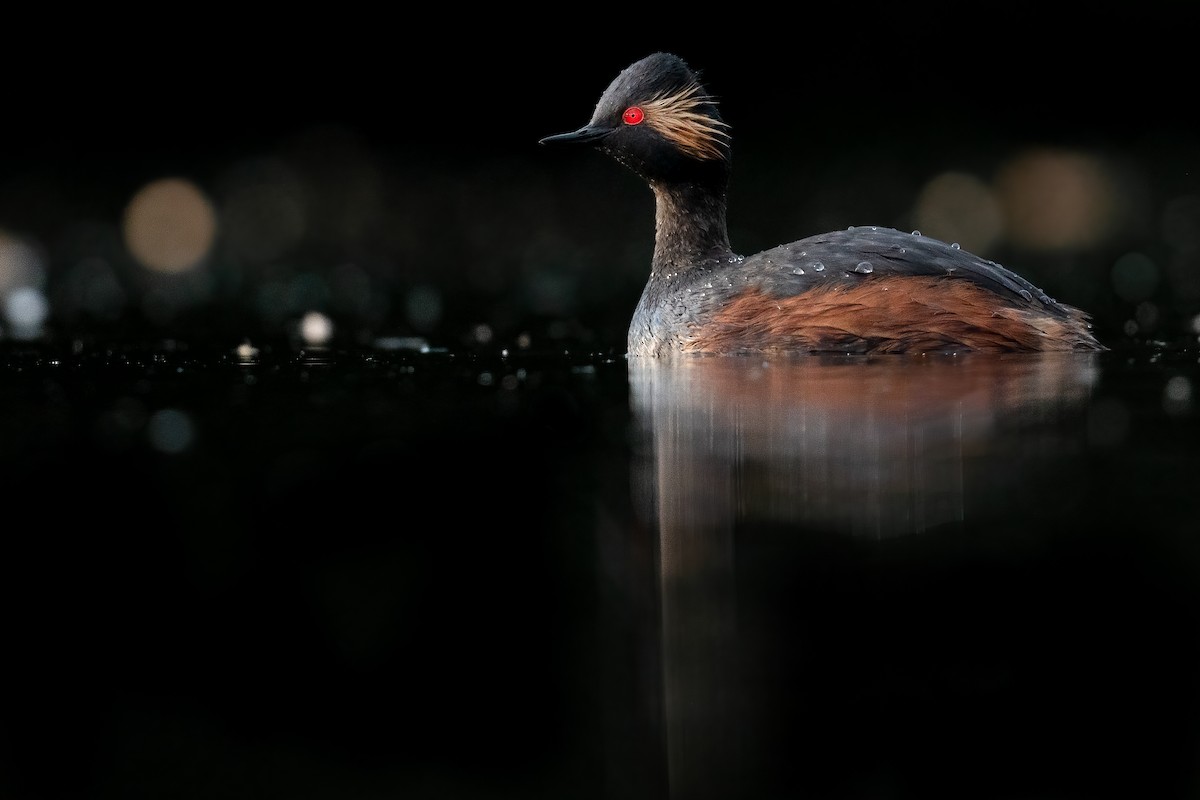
733, 452
873, 447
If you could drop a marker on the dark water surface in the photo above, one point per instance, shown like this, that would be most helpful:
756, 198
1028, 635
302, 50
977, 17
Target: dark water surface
382, 573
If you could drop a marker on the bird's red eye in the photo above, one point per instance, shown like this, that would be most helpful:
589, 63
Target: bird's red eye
633, 115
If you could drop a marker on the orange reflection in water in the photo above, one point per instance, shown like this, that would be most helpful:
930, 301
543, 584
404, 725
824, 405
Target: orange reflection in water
871, 448
867, 446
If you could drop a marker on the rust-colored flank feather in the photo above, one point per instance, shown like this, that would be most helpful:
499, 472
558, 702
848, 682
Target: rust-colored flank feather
889, 315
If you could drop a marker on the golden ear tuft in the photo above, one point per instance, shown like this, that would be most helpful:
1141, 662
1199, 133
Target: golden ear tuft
676, 116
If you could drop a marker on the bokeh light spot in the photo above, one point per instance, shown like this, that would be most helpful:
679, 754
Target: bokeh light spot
424, 307
1177, 395
170, 225
1134, 277
316, 329
170, 431
1057, 200
1146, 315
26, 309
20, 263
246, 353
958, 207
417, 343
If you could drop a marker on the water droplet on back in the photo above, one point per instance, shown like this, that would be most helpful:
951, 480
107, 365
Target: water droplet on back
864, 267
916, 233
954, 245
1028, 295
797, 271
817, 266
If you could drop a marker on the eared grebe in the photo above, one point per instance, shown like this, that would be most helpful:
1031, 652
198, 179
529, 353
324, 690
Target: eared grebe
862, 290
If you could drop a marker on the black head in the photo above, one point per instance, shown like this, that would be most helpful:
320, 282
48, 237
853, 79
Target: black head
658, 120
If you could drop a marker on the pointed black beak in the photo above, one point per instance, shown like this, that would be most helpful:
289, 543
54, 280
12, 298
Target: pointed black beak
585, 134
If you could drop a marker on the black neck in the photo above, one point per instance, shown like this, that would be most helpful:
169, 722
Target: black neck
690, 228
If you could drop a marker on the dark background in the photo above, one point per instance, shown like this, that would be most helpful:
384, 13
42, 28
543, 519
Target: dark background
415, 141
384, 574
